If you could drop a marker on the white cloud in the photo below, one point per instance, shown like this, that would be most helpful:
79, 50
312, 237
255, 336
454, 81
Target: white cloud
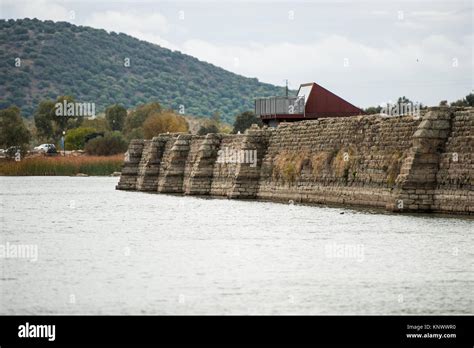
386, 55
144, 26
434, 15
397, 68
129, 21
271, 62
41, 9
379, 13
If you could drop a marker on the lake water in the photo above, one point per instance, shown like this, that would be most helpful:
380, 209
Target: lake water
102, 251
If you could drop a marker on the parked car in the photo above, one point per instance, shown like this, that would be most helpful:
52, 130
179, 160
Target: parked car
46, 148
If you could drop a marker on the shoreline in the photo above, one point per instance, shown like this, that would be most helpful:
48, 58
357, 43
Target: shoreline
352, 207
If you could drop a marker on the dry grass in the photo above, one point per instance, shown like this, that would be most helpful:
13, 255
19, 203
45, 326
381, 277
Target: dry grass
321, 160
393, 165
59, 165
288, 165
345, 159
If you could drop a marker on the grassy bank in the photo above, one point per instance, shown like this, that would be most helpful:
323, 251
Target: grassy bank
59, 165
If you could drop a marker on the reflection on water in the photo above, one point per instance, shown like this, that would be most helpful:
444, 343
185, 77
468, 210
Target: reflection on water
102, 251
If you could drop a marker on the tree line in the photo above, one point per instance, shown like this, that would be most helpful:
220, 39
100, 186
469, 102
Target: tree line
110, 133
106, 134
466, 101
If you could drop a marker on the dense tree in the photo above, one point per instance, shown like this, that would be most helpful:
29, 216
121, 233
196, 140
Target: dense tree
99, 74
403, 100
115, 116
470, 99
400, 100
460, 102
373, 110
244, 120
44, 116
62, 120
50, 123
137, 117
208, 128
158, 123
13, 131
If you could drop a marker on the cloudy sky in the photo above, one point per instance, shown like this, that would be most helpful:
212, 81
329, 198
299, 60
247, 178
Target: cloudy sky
368, 52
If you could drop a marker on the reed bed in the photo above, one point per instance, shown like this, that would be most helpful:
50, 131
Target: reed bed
63, 166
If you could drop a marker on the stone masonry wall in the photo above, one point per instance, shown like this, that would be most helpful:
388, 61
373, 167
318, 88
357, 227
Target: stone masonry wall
455, 180
223, 176
194, 146
397, 163
352, 160
150, 163
128, 177
174, 164
201, 167
246, 180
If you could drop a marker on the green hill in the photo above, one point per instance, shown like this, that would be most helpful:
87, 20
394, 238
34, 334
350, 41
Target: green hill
58, 58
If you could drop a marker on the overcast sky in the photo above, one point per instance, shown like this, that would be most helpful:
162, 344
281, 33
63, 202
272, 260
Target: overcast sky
368, 52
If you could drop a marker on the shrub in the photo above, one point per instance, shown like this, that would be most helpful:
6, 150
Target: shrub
244, 121
99, 124
136, 133
158, 123
137, 117
211, 128
76, 138
112, 143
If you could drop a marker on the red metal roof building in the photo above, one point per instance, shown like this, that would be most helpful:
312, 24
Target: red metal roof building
312, 101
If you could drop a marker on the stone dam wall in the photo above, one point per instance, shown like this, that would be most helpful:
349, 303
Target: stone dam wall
404, 164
